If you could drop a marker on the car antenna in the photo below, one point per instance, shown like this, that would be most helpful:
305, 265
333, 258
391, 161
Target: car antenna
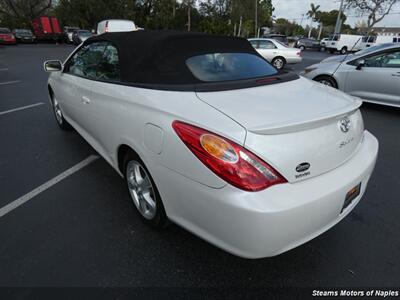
345, 57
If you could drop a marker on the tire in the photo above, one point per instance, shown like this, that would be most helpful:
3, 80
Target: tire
326, 80
61, 122
322, 49
144, 195
279, 63
343, 50
302, 48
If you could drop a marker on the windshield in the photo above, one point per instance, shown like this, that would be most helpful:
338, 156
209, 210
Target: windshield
4, 30
372, 49
229, 66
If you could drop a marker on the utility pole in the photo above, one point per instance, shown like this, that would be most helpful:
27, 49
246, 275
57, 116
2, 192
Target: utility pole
255, 19
338, 20
301, 21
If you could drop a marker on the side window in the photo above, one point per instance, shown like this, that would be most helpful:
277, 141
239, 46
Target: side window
374, 61
384, 60
267, 45
85, 62
109, 68
254, 44
392, 60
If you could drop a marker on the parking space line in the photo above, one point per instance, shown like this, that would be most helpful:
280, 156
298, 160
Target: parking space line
25, 198
20, 108
10, 82
3, 69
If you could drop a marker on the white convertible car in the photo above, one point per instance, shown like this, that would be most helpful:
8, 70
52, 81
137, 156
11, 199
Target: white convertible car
207, 134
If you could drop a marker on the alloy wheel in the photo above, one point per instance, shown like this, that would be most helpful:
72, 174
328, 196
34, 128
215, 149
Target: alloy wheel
57, 111
326, 82
141, 189
278, 63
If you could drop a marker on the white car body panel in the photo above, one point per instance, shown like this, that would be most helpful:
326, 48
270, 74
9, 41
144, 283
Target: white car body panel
317, 116
95, 122
273, 121
289, 54
267, 223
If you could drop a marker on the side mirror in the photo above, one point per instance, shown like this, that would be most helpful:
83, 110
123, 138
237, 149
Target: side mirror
360, 64
52, 66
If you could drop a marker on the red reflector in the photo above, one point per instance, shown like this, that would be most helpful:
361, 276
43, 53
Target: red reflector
267, 80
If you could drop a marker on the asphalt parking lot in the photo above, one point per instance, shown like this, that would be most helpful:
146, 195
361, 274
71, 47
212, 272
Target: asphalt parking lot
83, 230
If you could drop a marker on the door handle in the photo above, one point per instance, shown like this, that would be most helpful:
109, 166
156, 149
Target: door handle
85, 100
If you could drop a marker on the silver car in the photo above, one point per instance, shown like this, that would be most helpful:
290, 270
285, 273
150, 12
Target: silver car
373, 74
275, 52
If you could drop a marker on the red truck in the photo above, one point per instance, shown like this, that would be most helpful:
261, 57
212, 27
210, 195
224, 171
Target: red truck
47, 28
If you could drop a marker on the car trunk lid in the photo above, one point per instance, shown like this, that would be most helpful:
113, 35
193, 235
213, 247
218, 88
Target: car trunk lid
294, 124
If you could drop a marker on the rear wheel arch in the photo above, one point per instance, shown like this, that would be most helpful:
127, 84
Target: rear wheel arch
122, 152
126, 155
50, 89
327, 77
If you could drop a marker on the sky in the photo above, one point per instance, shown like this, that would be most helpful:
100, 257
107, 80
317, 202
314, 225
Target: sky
293, 10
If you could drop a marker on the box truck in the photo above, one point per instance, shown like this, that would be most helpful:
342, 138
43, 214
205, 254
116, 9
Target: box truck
47, 28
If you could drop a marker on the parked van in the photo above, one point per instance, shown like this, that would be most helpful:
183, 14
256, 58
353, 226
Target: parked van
116, 26
370, 41
344, 43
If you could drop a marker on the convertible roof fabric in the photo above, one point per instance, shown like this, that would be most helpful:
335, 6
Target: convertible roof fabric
159, 56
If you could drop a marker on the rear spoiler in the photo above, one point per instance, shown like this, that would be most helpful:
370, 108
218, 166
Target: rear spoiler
295, 125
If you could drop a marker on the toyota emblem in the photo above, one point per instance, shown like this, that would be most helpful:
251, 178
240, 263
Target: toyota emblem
344, 124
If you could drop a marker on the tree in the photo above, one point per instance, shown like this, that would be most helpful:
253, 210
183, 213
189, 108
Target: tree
375, 10
328, 19
23, 11
312, 15
284, 26
212, 16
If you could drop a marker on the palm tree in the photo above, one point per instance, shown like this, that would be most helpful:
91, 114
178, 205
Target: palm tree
312, 13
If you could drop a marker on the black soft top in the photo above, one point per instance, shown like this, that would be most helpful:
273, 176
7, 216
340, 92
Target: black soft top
157, 58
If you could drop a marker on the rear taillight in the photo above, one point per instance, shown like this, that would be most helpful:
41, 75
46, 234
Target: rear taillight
228, 160
106, 29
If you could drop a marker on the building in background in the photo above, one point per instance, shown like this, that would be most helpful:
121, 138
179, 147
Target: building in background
386, 31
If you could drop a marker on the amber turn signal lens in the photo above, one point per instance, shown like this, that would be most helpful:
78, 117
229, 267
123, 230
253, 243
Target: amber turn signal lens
218, 148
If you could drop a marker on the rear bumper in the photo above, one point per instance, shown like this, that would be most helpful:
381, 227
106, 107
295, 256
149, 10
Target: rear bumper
294, 60
266, 223
8, 42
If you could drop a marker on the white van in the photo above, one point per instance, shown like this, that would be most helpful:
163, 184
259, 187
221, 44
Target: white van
370, 41
116, 26
344, 43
